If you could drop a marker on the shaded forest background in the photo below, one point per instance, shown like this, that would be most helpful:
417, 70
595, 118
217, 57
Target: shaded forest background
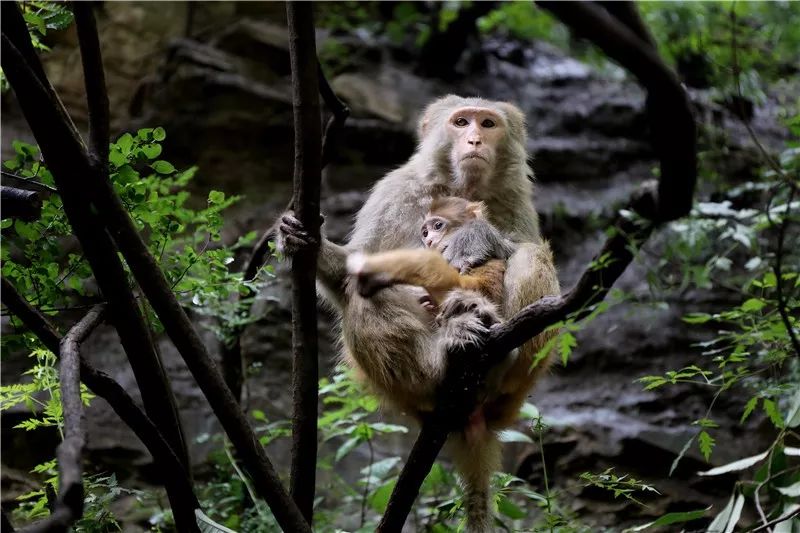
689, 364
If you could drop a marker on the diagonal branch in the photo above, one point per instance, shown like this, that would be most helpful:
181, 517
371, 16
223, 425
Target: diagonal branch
624, 38
176, 480
307, 175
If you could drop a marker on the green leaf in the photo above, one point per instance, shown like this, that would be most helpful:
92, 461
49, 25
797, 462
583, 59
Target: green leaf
673, 518
792, 491
159, 134
753, 304
772, 412
116, 158
206, 525
697, 318
508, 508
151, 151
565, 346
727, 519
347, 447
124, 144
793, 414
706, 444
379, 498
748, 408
741, 464
162, 167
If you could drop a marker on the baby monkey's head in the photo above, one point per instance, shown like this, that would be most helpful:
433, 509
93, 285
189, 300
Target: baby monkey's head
447, 214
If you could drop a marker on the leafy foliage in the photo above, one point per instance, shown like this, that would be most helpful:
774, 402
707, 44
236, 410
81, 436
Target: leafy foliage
55, 277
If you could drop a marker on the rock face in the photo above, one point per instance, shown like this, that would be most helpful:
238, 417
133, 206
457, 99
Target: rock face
225, 102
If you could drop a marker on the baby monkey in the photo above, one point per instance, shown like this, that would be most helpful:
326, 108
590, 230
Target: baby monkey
454, 229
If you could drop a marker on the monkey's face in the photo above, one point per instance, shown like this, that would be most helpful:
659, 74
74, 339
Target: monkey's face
433, 231
475, 134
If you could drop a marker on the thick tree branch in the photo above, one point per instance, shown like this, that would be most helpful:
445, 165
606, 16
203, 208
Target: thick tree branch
307, 171
673, 137
232, 354
176, 480
673, 132
66, 158
21, 204
94, 74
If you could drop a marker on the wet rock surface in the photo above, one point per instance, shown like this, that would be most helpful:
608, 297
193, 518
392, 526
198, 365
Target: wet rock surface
225, 102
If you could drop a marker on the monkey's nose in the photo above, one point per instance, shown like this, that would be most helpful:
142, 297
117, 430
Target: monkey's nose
475, 141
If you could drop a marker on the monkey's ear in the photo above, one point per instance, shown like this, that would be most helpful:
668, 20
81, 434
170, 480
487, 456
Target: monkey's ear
516, 121
433, 113
477, 209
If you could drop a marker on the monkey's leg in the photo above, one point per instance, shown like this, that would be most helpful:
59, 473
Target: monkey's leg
530, 275
422, 267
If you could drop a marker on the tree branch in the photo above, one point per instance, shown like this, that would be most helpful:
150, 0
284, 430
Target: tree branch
307, 173
176, 480
94, 76
21, 204
673, 138
69, 504
673, 132
65, 156
189, 344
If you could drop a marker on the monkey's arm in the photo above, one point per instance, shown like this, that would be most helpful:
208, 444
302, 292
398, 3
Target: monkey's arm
331, 271
423, 267
475, 243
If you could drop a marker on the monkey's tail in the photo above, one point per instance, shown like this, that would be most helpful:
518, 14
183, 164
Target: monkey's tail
476, 459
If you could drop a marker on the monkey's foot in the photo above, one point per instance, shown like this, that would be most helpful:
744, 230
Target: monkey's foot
292, 235
367, 283
467, 317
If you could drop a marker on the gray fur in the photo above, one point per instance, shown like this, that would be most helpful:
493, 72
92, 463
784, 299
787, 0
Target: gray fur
474, 243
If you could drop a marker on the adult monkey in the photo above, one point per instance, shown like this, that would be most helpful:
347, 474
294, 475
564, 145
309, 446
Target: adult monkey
475, 149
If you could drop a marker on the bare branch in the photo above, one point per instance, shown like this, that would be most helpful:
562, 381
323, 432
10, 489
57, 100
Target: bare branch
307, 173
20, 203
673, 132
175, 478
95, 78
69, 504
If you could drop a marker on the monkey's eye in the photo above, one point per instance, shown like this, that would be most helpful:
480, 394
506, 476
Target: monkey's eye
424, 232
488, 123
438, 225
461, 122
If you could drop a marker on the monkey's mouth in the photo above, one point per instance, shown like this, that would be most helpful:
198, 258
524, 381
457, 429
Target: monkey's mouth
474, 155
